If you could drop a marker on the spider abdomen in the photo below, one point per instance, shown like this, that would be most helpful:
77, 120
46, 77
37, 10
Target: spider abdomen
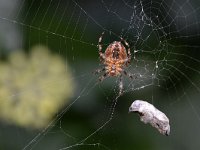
115, 58
116, 51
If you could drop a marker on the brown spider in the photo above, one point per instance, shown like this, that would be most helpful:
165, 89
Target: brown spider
114, 59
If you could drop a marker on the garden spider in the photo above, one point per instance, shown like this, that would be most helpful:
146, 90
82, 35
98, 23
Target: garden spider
115, 59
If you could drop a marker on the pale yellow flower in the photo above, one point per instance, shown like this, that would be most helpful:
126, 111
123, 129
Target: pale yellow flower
34, 87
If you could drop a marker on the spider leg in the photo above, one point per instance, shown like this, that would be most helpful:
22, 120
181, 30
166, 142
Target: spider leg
99, 70
120, 85
101, 78
131, 76
129, 56
129, 51
102, 56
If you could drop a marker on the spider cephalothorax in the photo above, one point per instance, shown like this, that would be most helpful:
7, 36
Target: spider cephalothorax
115, 58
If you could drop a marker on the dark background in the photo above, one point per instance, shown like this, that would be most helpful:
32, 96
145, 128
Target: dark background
163, 31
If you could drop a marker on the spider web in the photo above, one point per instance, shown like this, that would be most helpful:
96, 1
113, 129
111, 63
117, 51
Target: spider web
164, 40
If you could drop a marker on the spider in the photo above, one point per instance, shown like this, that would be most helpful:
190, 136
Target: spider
115, 59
